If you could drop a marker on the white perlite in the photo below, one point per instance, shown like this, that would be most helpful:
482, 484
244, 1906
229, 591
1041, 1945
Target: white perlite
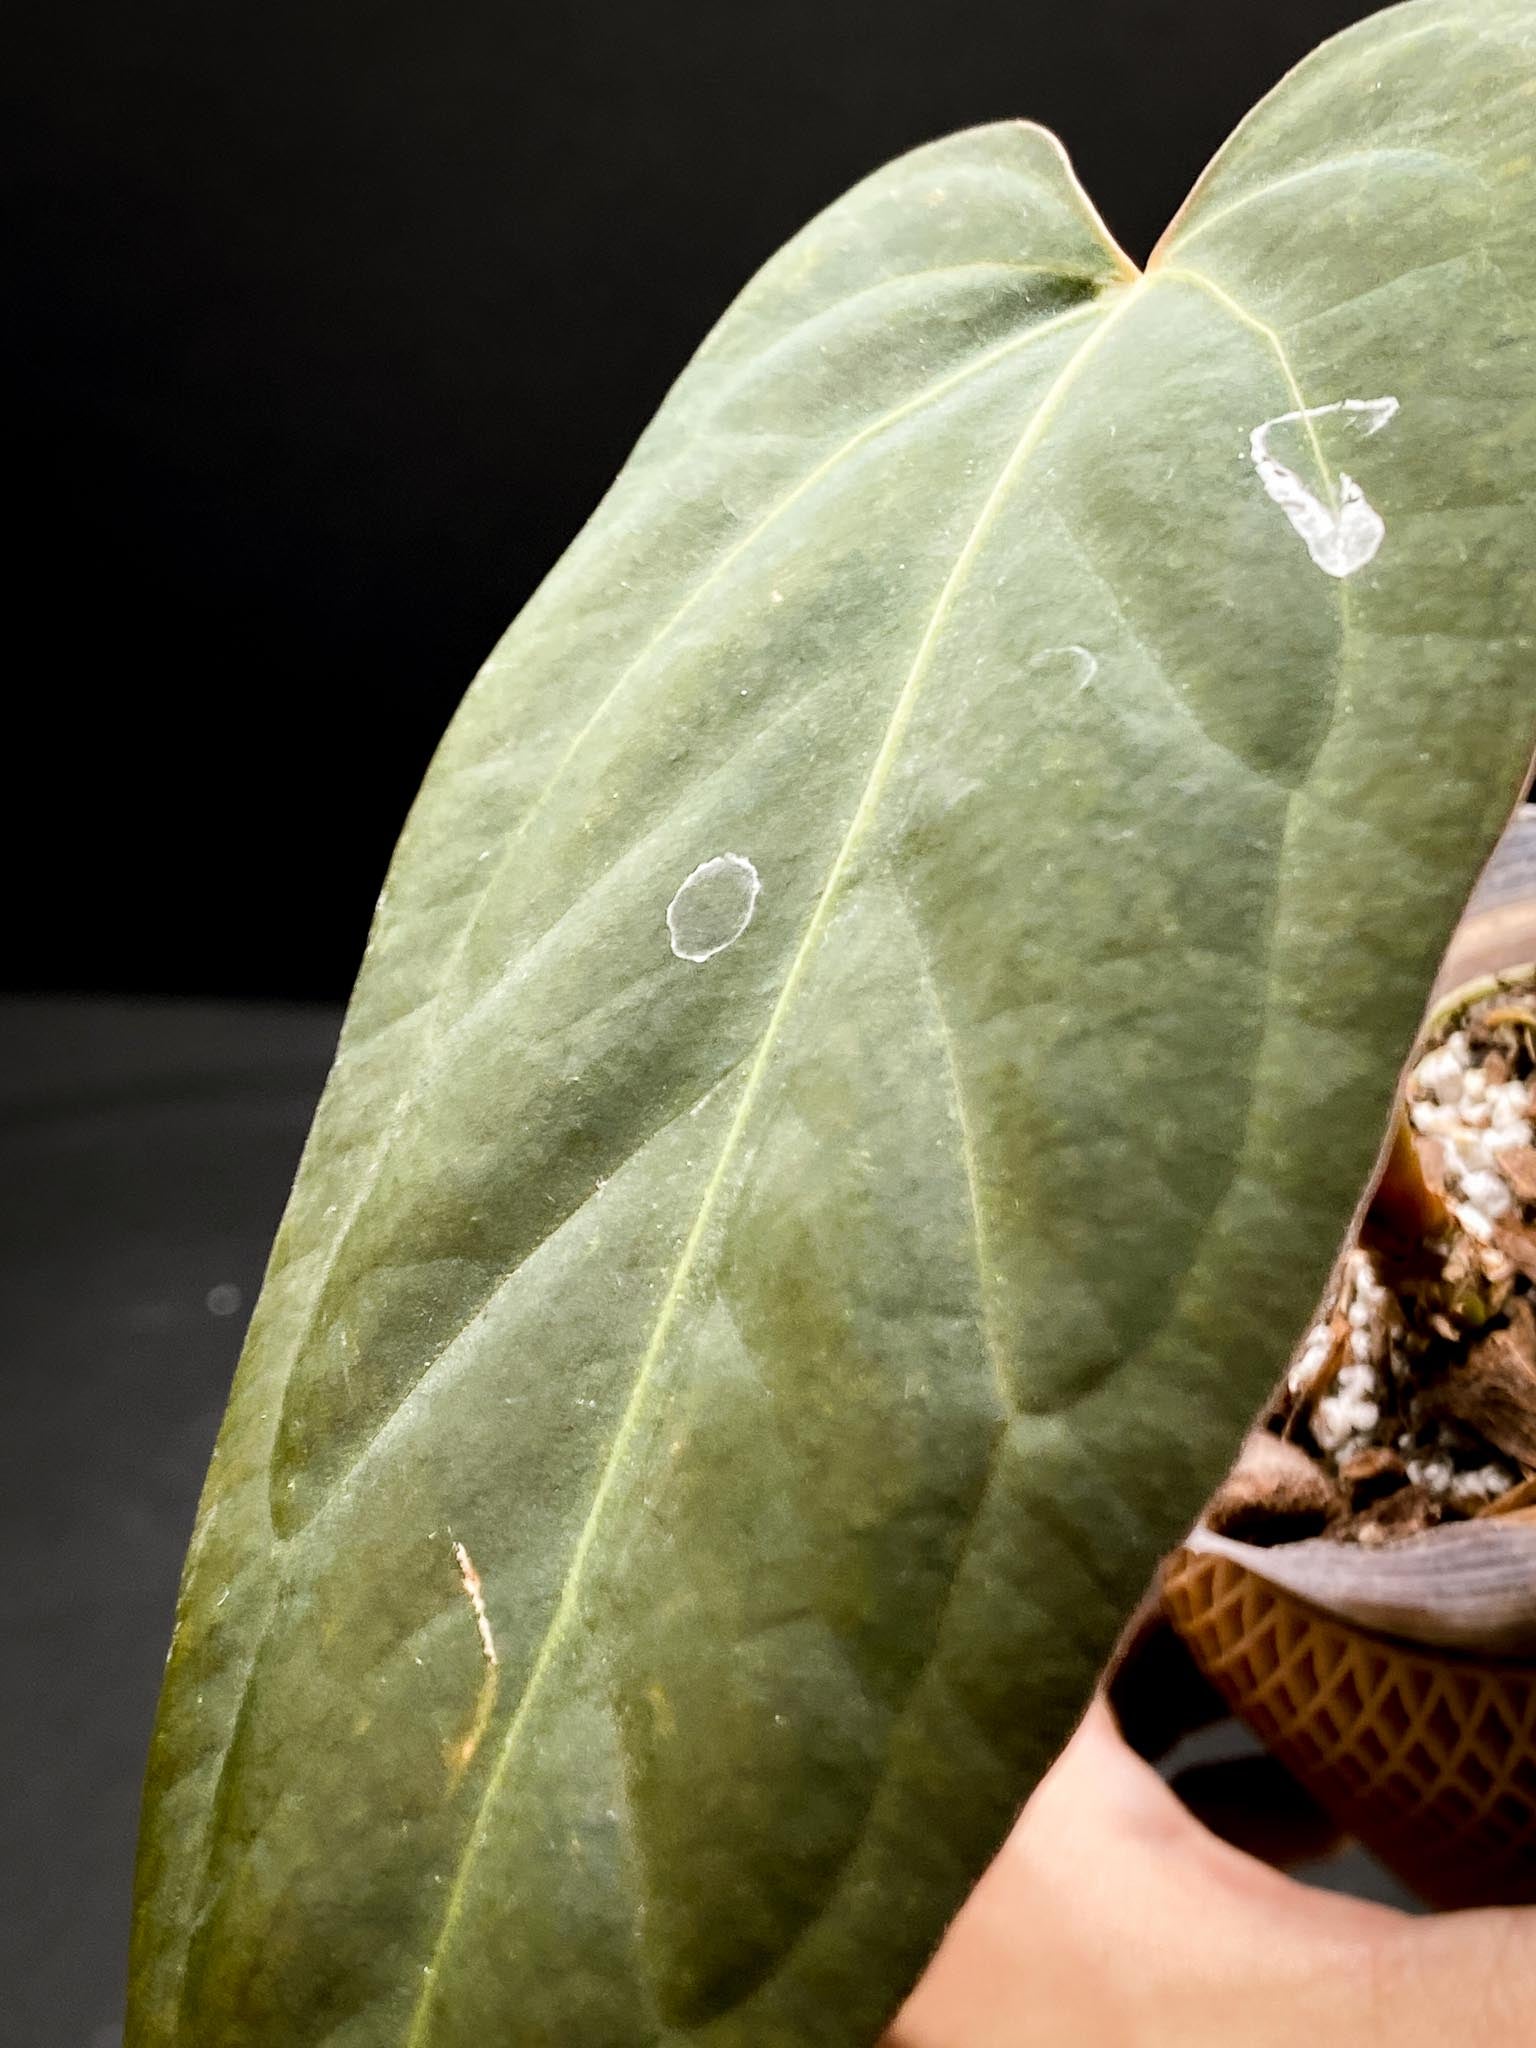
1345, 1416
1473, 1121
1340, 540
1487, 1482
713, 907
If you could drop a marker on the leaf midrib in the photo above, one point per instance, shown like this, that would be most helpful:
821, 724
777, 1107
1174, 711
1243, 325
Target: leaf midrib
927, 395
439, 1042
1168, 272
885, 758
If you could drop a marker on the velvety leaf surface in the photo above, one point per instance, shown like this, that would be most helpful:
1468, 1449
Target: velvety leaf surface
881, 1015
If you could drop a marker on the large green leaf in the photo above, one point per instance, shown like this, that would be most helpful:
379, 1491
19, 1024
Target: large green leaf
880, 1017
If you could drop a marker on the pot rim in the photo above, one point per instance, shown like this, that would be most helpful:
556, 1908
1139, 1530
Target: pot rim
1463, 1587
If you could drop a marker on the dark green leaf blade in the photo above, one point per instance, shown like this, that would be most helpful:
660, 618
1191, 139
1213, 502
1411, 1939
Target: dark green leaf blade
880, 1017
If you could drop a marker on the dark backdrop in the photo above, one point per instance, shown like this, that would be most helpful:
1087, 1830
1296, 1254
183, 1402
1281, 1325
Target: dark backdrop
335, 319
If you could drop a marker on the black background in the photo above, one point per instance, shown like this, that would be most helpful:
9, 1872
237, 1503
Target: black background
335, 319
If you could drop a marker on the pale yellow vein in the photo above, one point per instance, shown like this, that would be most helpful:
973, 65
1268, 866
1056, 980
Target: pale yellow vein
567, 1605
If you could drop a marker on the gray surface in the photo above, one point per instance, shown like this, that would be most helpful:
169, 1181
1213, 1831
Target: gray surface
145, 1153
1350, 1869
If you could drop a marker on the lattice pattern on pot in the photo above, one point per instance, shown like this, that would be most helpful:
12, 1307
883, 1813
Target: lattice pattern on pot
1429, 1758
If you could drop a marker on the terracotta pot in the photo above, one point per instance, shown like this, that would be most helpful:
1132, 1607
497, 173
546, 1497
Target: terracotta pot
1425, 1750
1427, 1756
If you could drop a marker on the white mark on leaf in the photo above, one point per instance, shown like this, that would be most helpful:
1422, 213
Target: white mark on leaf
1339, 539
713, 907
1083, 665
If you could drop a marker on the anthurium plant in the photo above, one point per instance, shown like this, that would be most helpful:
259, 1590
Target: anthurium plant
881, 1017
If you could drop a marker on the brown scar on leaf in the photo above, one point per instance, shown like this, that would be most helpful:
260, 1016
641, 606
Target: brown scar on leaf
461, 1754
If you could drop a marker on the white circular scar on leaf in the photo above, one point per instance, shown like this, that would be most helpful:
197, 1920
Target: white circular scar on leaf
1075, 662
713, 907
